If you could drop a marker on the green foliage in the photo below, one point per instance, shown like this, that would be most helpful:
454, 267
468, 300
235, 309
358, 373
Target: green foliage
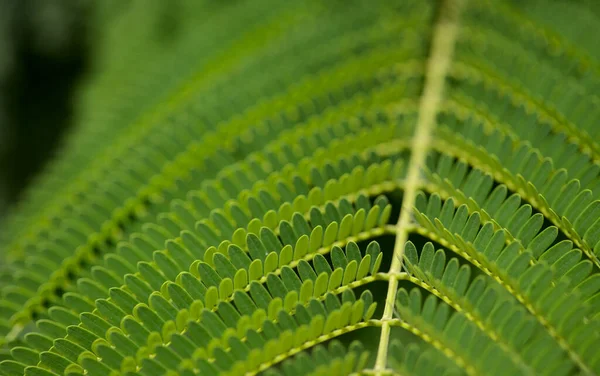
227, 203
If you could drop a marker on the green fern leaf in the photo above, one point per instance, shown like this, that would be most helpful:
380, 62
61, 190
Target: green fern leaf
308, 188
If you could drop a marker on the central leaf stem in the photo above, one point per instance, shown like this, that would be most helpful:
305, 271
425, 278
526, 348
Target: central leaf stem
442, 48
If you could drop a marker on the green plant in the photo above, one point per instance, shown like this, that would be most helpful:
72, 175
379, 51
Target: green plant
228, 203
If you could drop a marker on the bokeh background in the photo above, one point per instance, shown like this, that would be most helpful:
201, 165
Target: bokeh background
44, 53
50, 51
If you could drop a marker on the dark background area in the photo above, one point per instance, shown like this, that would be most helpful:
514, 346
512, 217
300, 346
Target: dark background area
44, 52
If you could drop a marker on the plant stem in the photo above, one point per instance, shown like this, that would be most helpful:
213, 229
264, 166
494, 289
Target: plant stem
442, 49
